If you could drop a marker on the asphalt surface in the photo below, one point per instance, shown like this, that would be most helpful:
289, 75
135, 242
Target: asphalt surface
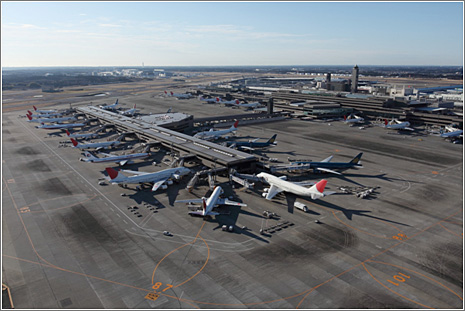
68, 242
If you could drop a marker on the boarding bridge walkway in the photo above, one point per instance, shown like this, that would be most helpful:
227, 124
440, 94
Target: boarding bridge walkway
210, 153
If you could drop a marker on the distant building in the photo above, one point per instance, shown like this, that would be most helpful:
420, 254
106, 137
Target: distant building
354, 85
328, 81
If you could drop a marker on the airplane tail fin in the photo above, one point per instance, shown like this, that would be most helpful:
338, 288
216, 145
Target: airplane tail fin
35, 109
237, 101
116, 103
67, 132
29, 116
171, 93
169, 110
357, 158
317, 190
75, 143
29, 112
234, 126
114, 174
345, 118
385, 122
218, 99
272, 139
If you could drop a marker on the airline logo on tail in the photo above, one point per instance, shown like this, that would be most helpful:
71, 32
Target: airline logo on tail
75, 143
320, 186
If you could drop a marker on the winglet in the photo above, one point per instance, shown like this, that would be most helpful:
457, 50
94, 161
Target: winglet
111, 172
75, 143
320, 186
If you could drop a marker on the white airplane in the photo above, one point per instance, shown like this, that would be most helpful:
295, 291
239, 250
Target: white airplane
395, 124
119, 159
129, 112
210, 100
50, 120
279, 184
84, 135
352, 118
159, 179
212, 134
209, 203
179, 95
98, 146
44, 111
109, 107
44, 115
451, 131
61, 126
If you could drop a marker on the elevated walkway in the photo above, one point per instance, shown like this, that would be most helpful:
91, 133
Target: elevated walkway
210, 153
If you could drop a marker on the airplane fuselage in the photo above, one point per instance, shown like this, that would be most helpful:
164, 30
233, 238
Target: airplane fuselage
117, 158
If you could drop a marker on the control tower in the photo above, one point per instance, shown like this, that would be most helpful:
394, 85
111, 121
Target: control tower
353, 87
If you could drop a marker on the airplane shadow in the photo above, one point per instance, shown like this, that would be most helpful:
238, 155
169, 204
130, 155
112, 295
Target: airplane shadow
349, 213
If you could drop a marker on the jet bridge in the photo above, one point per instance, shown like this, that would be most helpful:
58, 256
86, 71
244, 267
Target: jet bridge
211, 154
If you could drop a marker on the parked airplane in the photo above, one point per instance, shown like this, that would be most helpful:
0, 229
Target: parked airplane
44, 115
251, 144
451, 131
209, 203
233, 102
120, 159
245, 105
212, 134
159, 179
180, 95
323, 166
279, 184
395, 124
109, 107
44, 111
210, 100
352, 118
98, 146
84, 135
129, 112
50, 120
61, 126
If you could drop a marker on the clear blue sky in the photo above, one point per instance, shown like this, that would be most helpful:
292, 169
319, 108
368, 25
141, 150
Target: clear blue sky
231, 33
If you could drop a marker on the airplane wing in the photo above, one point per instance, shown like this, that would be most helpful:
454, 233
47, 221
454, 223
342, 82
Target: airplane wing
328, 170
105, 154
229, 202
274, 190
246, 148
408, 129
328, 159
157, 184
